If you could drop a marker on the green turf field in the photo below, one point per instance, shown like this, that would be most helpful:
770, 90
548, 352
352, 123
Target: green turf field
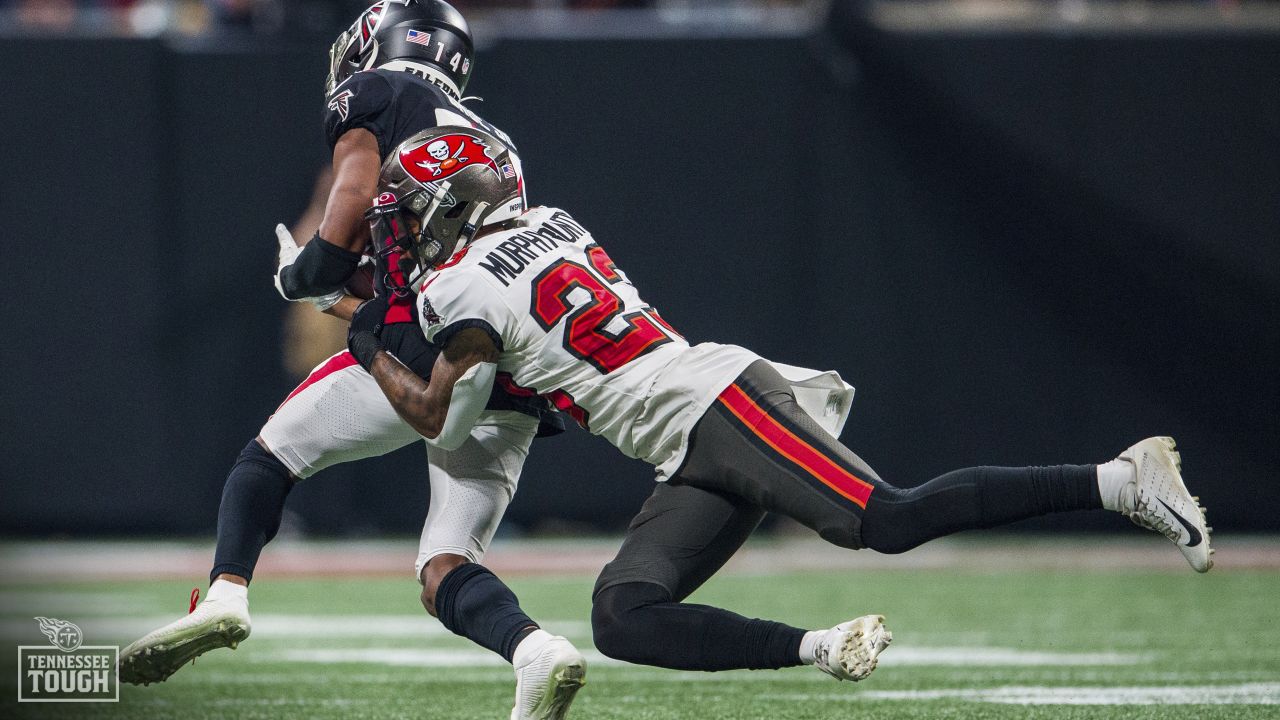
968, 644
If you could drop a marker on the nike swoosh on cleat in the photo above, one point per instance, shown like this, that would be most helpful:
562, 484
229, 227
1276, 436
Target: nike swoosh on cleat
1192, 532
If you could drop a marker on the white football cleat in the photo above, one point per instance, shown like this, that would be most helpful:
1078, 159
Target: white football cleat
223, 622
849, 650
1158, 500
546, 684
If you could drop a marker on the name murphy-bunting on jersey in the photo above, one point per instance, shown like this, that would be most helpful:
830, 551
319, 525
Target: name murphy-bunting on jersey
512, 256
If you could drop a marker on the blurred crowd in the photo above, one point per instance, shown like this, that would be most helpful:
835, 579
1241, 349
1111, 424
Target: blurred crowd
200, 17
211, 17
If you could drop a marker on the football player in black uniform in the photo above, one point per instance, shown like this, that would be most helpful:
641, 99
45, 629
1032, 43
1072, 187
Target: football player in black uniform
398, 70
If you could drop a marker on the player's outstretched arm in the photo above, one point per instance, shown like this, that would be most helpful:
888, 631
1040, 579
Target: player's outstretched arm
444, 410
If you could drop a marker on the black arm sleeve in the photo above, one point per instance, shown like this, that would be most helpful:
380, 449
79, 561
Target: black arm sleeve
320, 269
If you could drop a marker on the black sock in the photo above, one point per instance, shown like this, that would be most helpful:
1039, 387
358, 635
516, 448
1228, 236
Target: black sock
639, 623
898, 519
249, 516
472, 602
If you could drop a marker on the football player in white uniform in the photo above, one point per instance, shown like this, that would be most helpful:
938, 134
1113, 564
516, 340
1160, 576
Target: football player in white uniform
400, 68
531, 302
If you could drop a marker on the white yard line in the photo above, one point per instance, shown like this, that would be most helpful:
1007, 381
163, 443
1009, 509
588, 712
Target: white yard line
1261, 693
42, 561
269, 626
930, 657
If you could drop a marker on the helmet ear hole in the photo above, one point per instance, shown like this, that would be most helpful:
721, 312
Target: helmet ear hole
457, 210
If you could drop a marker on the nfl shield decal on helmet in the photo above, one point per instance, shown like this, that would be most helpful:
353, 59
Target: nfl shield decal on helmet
446, 155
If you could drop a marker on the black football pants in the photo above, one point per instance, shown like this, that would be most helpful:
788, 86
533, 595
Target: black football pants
755, 451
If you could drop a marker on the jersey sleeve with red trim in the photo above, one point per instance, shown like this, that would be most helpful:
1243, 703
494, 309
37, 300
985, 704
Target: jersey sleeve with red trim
364, 100
459, 298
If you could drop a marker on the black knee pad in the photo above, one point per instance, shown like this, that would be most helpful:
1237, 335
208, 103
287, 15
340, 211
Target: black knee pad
618, 631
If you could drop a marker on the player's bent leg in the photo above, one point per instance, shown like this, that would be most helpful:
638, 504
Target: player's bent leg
681, 536
472, 602
472, 486
470, 490
249, 515
436, 569
337, 414
640, 623
756, 442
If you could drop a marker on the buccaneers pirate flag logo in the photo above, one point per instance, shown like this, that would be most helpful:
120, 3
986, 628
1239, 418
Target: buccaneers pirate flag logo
437, 159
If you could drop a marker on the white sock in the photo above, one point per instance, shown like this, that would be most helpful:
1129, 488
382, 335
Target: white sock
808, 643
225, 589
529, 647
1113, 478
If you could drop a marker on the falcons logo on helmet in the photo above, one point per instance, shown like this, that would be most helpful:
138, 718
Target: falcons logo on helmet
437, 159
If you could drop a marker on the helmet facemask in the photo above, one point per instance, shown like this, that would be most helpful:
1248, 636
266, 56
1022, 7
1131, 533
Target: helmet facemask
341, 60
423, 226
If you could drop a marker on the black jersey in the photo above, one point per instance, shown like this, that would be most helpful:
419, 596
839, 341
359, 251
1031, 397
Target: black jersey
396, 105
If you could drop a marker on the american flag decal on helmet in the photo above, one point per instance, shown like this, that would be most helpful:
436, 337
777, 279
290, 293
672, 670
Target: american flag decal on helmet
418, 38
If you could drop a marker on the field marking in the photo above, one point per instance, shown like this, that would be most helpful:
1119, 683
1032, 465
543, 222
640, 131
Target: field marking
997, 656
1261, 693
28, 561
936, 657
267, 625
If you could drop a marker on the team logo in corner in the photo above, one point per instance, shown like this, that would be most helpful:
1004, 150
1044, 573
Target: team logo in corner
67, 670
437, 159
341, 103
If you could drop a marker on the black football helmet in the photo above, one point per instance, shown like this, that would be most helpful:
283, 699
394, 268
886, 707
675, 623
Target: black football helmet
428, 38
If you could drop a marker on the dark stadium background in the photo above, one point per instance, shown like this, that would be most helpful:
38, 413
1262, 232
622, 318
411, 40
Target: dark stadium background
1026, 242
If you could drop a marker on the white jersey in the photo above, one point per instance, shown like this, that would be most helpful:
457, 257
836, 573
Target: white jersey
570, 327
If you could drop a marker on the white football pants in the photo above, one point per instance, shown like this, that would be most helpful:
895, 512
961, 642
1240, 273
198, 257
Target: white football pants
339, 414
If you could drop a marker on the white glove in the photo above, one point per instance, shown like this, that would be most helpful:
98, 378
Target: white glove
289, 252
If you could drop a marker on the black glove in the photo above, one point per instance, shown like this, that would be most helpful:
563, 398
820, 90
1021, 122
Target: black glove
366, 327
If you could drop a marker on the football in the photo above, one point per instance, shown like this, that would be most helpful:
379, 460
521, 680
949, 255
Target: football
361, 283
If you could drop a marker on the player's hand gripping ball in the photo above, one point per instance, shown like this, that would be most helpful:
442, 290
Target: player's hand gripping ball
361, 283
366, 327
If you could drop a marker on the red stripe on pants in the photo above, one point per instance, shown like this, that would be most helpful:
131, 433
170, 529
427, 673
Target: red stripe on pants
790, 446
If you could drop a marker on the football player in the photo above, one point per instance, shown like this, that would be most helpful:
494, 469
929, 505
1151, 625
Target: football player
398, 70
531, 302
